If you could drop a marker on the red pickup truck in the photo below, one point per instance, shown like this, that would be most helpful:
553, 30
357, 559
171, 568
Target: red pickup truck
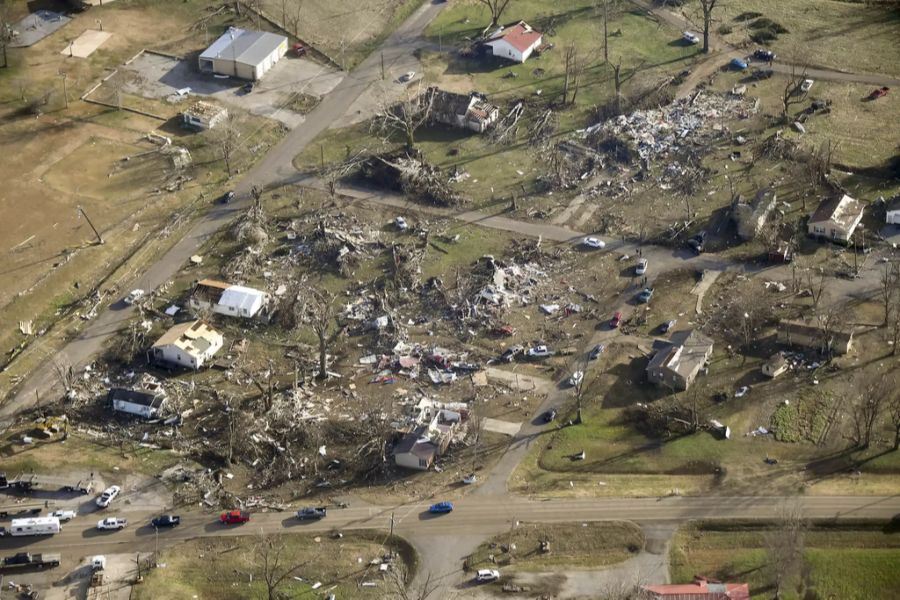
234, 517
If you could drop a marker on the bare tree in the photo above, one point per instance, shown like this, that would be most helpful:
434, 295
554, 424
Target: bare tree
227, 138
277, 567
893, 408
816, 286
6, 31
707, 7
496, 7
890, 280
784, 548
401, 591
405, 117
867, 412
792, 92
617, 82
320, 309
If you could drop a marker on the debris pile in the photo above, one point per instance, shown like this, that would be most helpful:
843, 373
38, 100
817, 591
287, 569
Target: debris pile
411, 174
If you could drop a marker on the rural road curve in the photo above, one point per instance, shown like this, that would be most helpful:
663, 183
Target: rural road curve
275, 168
479, 515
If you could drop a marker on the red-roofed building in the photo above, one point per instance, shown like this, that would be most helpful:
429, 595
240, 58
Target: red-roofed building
701, 589
515, 42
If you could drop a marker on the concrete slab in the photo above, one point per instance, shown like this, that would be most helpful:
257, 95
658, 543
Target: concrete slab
498, 426
35, 27
157, 76
86, 43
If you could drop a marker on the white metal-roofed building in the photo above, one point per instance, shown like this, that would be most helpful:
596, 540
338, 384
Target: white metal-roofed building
243, 54
227, 299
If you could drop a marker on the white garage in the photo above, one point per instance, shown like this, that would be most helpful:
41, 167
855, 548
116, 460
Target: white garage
243, 54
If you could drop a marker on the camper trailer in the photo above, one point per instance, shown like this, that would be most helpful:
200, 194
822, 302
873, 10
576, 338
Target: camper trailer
34, 526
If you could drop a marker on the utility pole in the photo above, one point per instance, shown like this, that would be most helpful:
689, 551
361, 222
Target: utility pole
392, 524
65, 76
382, 65
322, 156
88, 219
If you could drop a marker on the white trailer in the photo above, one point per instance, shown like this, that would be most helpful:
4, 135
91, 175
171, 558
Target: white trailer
34, 526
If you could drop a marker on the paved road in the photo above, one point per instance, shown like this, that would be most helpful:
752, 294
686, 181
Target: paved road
275, 168
473, 516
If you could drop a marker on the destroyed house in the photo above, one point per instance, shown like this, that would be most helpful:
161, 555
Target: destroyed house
776, 365
677, 363
836, 219
227, 299
415, 450
810, 334
514, 42
750, 217
202, 115
142, 403
700, 589
190, 345
466, 111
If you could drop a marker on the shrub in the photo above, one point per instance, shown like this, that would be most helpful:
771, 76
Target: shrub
724, 29
746, 16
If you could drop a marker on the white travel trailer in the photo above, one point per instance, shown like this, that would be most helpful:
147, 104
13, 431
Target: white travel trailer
34, 526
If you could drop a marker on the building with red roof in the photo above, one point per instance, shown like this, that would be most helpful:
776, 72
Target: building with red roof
515, 42
700, 589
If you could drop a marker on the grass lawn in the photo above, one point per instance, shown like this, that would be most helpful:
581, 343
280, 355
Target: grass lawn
827, 33
842, 562
573, 545
223, 568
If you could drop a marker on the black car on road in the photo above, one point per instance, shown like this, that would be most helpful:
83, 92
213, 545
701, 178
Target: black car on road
165, 521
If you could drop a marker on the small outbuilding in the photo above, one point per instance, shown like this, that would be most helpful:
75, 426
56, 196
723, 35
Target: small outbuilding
141, 403
190, 345
515, 42
415, 450
243, 54
202, 115
776, 365
227, 299
892, 211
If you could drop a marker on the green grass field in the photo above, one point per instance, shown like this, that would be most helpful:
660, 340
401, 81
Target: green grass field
230, 568
841, 562
578, 545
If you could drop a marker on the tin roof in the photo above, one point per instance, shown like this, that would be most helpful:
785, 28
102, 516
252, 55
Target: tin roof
245, 47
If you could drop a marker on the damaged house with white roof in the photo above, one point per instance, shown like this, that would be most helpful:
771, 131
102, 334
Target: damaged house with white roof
678, 362
190, 345
836, 219
466, 111
227, 299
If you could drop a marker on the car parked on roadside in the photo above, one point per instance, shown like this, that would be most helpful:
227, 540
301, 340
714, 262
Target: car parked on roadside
738, 64
487, 575
644, 296
596, 351
697, 242
575, 379
690, 37
234, 517
401, 224
539, 351
512, 352
667, 326
592, 242
64, 515
166, 521
616, 320
108, 495
310, 513
806, 85
112, 523
133, 296
641, 267
549, 415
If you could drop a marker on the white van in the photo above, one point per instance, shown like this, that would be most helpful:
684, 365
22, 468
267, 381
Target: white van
34, 526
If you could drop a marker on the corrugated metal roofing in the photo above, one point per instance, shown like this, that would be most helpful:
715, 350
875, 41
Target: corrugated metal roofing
241, 298
245, 47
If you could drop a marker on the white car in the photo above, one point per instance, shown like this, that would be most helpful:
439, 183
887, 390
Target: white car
112, 523
690, 37
592, 242
742, 391
575, 378
541, 351
407, 76
133, 296
401, 224
806, 85
487, 575
641, 266
64, 515
108, 495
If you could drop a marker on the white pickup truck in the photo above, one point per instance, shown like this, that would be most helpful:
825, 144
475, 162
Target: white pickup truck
112, 523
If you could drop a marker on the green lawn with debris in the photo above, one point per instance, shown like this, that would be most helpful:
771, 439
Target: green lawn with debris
571, 545
232, 568
850, 562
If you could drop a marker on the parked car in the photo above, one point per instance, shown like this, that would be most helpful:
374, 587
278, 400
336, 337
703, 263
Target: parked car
166, 521
487, 575
738, 64
112, 523
641, 267
806, 85
247, 88
596, 351
227, 197
697, 242
644, 296
440, 508
762, 54
759, 74
401, 224
592, 242
312, 514
667, 326
407, 76
616, 320
64, 515
108, 495
511, 353
690, 37
133, 296
575, 378
742, 391
540, 351
234, 517
550, 415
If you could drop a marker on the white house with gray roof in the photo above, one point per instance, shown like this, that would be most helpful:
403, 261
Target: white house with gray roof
243, 54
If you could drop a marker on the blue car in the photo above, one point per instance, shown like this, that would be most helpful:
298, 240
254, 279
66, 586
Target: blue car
738, 64
441, 507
